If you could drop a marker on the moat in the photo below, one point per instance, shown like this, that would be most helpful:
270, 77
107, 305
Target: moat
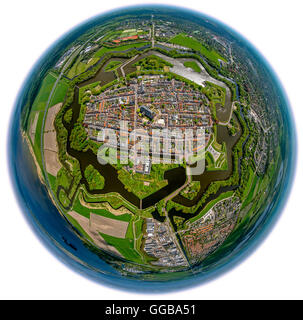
175, 177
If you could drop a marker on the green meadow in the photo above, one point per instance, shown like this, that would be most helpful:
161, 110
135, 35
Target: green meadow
184, 40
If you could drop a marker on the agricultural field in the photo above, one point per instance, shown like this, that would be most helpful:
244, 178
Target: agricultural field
44, 92
192, 43
38, 108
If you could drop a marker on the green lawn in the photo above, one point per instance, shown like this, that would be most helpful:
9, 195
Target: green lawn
249, 196
193, 65
124, 246
39, 105
114, 199
210, 160
37, 141
249, 182
124, 47
59, 93
142, 185
184, 40
64, 178
102, 212
138, 227
80, 66
77, 68
52, 181
111, 35
44, 92
63, 198
92, 61
221, 163
129, 232
113, 65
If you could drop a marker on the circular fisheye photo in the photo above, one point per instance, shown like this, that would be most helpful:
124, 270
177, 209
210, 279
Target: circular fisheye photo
151, 148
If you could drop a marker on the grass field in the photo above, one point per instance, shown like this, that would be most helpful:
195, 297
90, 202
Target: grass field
140, 185
59, 93
37, 143
111, 35
249, 195
77, 68
44, 92
114, 199
130, 232
124, 246
183, 40
113, 65
92, 61
64, 178
39, 105
210, 161
193, 65
124, 47
144, 185
249, 183
221, 162
128, 247
80, 66
84, 211
52, 181
63, 198
138, 228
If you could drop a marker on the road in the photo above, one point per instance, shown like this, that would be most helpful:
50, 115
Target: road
126, 63
153, 35
167, 221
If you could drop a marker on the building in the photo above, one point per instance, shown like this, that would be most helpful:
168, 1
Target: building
147, 112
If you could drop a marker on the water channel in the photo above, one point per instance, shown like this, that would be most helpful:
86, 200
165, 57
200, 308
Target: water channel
175, 177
